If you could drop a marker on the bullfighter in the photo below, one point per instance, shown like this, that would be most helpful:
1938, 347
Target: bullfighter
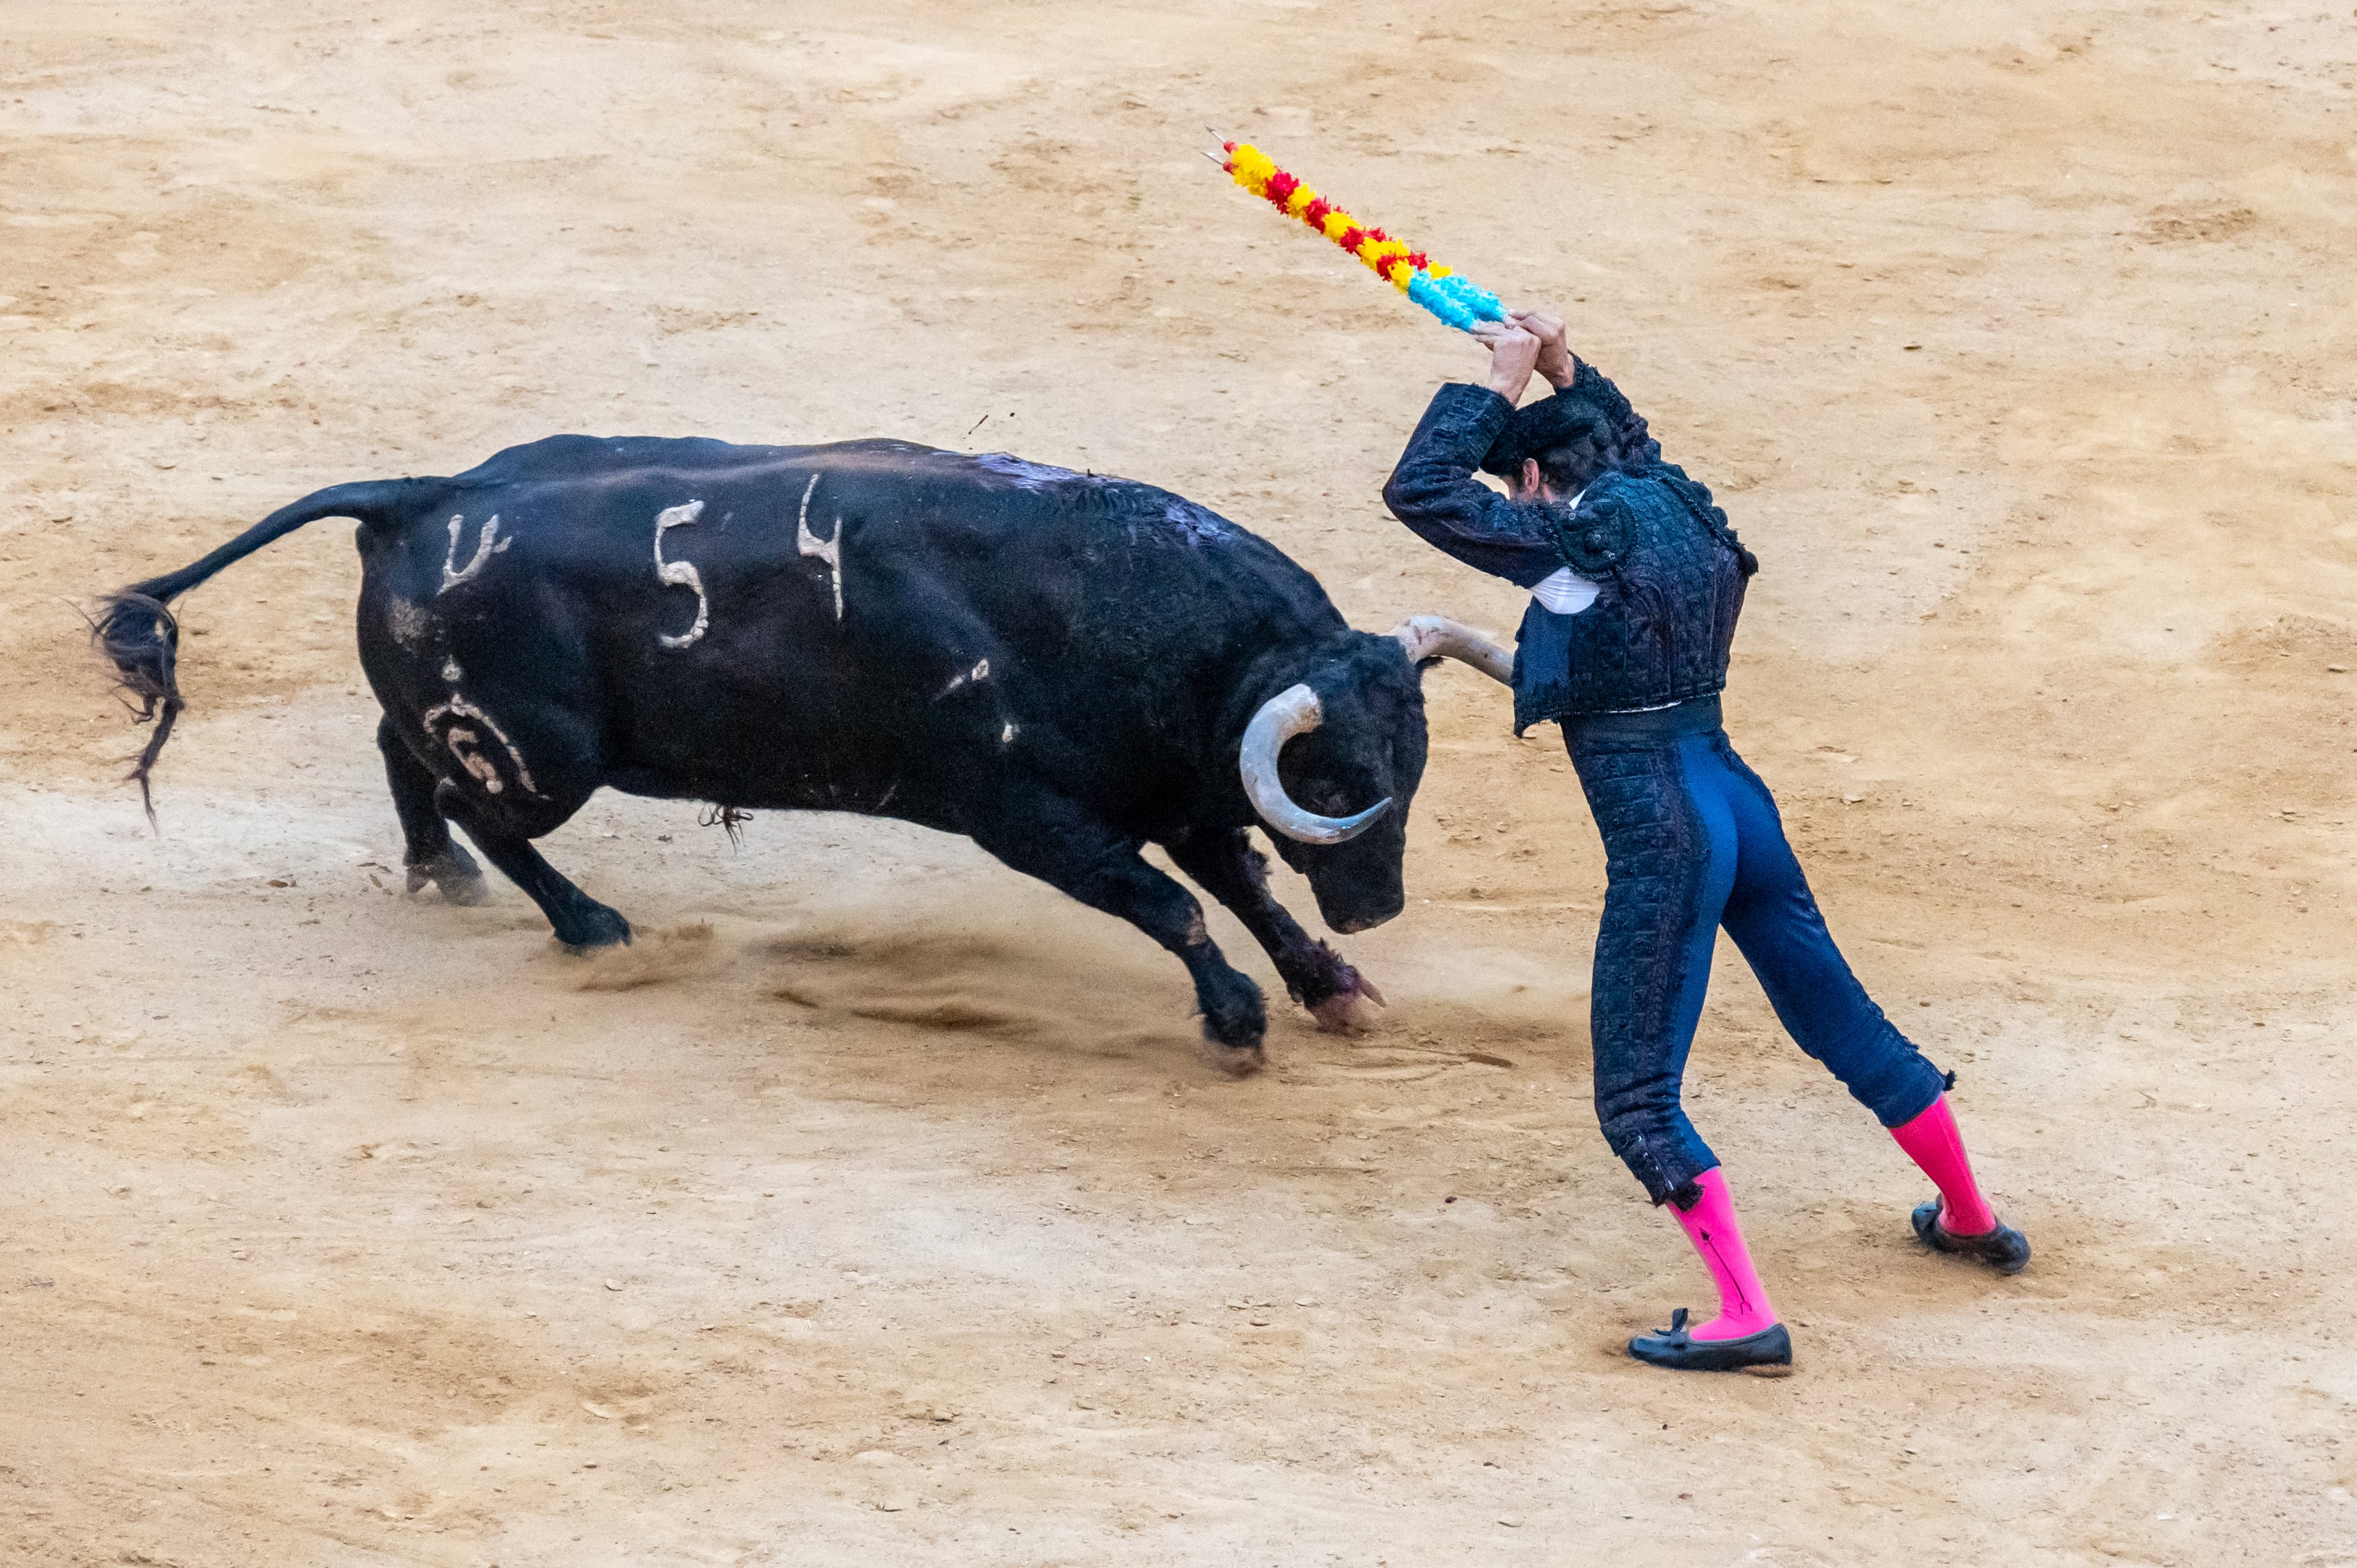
1636, 583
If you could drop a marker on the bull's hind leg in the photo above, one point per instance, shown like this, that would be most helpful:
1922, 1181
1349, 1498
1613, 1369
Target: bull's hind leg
578, 920
1070, 850
430, 853
1224, 864
518, 766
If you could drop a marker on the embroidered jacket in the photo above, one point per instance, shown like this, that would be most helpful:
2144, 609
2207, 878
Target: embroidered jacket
1669, 571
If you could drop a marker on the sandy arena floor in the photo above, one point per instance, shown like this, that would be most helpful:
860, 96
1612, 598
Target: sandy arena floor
876, 1207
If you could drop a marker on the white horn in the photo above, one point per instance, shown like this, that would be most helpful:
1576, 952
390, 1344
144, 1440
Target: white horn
1437, 637
1292, 712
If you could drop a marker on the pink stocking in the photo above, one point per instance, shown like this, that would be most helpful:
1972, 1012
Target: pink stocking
1743, 1304
1932, 1141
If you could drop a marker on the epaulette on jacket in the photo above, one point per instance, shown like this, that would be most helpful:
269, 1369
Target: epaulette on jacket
1695, 497
1593, 536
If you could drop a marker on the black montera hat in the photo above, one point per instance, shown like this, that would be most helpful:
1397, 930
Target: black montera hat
1551, 423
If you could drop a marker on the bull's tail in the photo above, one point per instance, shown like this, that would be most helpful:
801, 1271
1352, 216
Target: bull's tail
135, 630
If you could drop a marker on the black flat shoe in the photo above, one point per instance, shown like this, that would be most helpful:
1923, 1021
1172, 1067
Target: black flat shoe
2004, 1249
1766, 1354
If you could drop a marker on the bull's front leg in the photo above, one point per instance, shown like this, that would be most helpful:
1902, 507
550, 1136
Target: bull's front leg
1068, 849
1223, 862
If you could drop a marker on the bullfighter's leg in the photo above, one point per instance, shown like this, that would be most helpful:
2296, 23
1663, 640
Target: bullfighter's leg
1070, 850
578, 920
1225, 866
430, 853
1774, 920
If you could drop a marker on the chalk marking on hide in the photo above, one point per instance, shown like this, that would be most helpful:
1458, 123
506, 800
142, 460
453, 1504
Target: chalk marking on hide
452, 573
410, 625
451, 673
470, 756
474, 761
981, 671
827, 550
679, 574
1006, 735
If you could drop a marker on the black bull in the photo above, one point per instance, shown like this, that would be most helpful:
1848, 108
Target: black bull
1063, 668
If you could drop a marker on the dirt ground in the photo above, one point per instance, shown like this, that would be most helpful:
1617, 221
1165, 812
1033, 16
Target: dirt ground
876, 1207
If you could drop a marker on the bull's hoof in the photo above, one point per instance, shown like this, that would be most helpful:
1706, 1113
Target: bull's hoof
463, 884
1352, 1010
595, 927
469, 892
1232, 1038
1236, 1021
1234, 1060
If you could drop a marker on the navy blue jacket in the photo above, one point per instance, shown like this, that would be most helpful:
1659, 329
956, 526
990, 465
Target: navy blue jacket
1670, 573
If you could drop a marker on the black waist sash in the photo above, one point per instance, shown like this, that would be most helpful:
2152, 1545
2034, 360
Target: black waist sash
1698, 717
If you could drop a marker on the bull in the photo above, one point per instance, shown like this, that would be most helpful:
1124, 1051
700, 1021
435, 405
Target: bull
1062, 667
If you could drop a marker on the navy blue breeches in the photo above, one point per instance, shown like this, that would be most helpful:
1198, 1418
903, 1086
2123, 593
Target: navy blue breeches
1692, 842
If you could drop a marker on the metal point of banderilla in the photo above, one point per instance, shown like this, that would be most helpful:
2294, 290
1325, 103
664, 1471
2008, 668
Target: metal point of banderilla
1215, 158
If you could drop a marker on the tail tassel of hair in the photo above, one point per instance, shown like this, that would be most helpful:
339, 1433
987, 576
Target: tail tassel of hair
140, 638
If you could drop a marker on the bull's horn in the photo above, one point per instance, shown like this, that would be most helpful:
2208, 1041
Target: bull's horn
1292, 712
1437, 637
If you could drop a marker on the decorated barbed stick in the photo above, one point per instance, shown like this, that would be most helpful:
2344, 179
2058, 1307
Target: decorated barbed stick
1456, 300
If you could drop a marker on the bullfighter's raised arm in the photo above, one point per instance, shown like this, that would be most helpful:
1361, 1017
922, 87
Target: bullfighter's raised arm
1433, 489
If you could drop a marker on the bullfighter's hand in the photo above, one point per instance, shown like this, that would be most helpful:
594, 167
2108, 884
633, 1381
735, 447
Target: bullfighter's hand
1556, 361
1513, 353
